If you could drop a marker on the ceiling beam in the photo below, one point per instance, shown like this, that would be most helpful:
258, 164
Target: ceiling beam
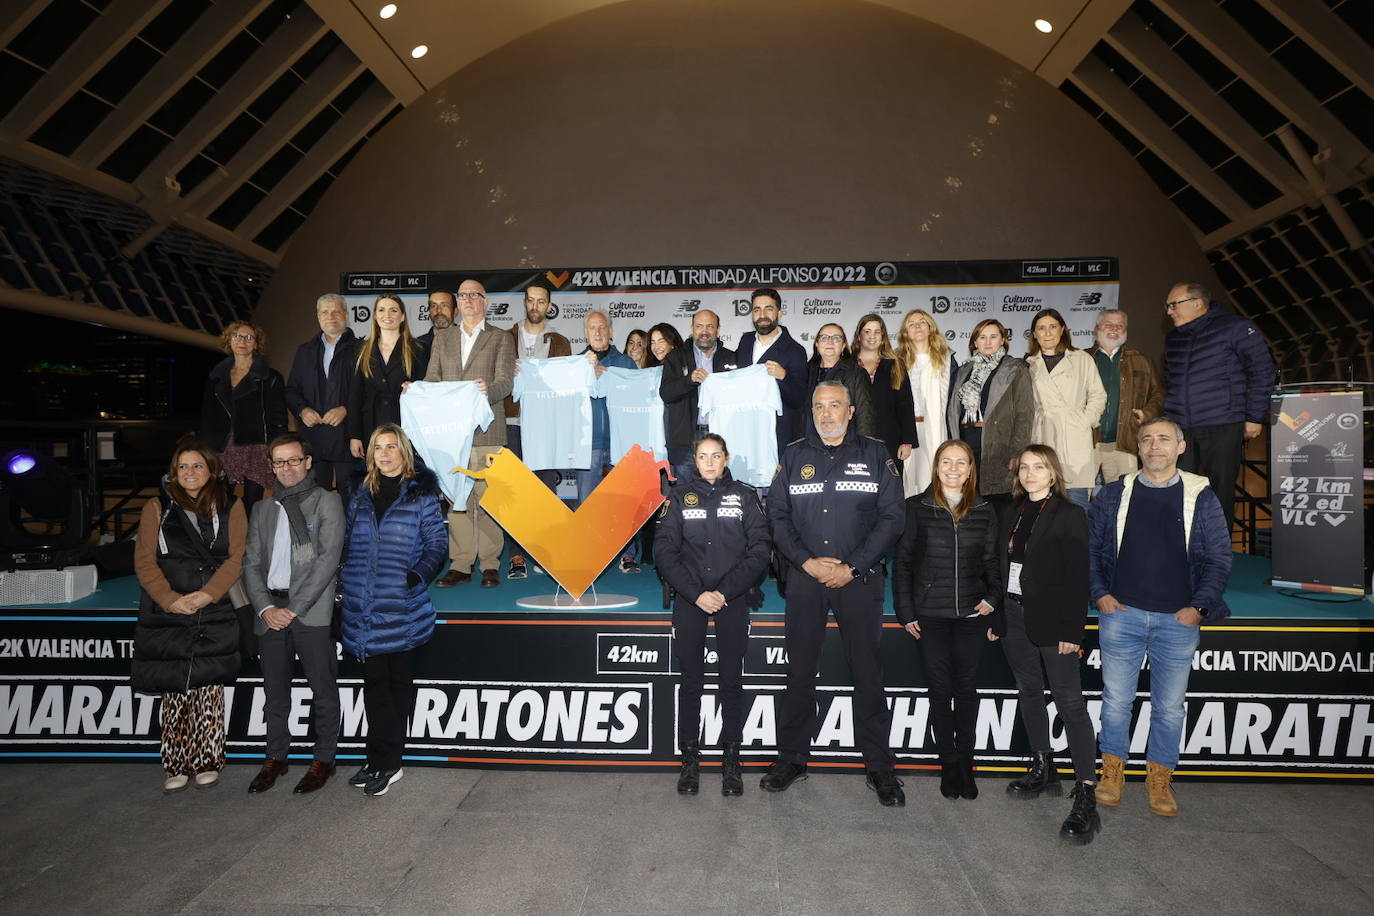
207, 36
93, 48
1316, 24
84, 312
20, 13
357, 31
1106, 89
1078, 39
361, 117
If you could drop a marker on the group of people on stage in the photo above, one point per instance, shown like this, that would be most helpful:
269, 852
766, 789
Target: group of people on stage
971, 479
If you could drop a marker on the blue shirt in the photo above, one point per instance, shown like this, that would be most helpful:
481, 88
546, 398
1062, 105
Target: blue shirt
440, 419
742, 407
555, 411
328, 350
635, 410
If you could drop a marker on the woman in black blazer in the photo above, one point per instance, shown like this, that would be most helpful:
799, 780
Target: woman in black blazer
890, 388
1045, 568
388, 360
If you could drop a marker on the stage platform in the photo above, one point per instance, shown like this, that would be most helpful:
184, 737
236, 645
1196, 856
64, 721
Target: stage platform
1283, 689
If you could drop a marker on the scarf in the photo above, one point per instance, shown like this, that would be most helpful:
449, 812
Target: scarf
289, 498
971, 392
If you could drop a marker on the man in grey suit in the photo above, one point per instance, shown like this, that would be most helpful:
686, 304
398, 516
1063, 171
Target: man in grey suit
473, 351
289, 564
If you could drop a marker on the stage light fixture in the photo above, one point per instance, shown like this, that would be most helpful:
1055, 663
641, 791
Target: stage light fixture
20, 462
419, 51
1044, 25
387, 11
33, 483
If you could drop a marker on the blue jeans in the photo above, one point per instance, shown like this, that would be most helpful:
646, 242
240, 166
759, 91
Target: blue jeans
586, 483
1126, 638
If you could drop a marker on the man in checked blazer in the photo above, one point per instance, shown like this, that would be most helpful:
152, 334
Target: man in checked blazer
473, 351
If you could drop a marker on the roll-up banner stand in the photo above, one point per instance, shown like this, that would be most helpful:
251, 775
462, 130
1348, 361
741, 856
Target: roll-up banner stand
958, 294
1316, 469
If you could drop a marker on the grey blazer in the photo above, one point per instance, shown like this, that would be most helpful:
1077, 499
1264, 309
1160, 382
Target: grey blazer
492, 359
312, 582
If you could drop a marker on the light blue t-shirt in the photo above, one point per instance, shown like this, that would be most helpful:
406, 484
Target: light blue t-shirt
742, 407
555, 398
440, 419
636, 410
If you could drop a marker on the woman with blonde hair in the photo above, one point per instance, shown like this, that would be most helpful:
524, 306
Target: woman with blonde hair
395, 544
889, 387
930, 364
244, 408
389, 359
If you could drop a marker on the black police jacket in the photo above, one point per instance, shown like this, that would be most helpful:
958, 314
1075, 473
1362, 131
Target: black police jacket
843, 501
713, 537
943, 569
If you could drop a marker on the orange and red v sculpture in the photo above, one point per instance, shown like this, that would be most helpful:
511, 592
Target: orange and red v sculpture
572, 547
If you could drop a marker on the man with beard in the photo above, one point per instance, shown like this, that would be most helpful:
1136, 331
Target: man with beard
770, 344
533, 340
441, 311
684, 370
1133, 394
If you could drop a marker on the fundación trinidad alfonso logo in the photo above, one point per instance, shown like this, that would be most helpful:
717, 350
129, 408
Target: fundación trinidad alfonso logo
572, 547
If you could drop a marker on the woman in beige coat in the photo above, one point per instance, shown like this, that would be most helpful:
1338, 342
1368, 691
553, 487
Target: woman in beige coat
1069, 399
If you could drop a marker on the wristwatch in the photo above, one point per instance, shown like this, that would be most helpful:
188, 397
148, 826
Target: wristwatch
1202, 612
853, 571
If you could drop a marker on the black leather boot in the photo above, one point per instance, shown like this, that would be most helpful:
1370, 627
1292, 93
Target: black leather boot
967, 787
949, 776
731, 779
1041, 779
689, 778
1083, 822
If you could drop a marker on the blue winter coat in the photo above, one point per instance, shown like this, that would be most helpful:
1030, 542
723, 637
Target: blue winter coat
1204, 529
1217, 370
382, 611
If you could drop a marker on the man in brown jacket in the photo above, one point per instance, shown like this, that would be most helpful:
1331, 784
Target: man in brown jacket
532, 339
473, 351
1134, 394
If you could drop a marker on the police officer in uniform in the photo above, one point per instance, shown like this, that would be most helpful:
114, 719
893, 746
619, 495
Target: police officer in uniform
713, 549
835, 508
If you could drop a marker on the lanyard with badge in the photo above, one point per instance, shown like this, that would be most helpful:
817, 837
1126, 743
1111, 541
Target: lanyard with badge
1014, 569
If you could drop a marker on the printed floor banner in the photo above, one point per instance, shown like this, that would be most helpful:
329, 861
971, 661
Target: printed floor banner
958, 294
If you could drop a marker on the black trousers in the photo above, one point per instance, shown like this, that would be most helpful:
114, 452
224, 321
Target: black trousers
1216, 451
1033, 665
858, 609
388, 700
951, 648
277, 651
689, 647
331, 474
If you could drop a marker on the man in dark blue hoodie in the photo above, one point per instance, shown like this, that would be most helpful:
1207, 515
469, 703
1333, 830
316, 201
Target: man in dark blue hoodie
1218, 376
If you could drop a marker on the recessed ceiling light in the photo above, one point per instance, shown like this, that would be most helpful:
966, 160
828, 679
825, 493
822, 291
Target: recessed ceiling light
388, 11
1044, 25
419, 51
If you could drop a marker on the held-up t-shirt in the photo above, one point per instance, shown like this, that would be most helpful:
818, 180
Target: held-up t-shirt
635, 408
555, 398
440, 418
742, 406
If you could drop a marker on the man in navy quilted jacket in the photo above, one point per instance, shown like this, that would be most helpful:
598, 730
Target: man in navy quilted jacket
1218, 376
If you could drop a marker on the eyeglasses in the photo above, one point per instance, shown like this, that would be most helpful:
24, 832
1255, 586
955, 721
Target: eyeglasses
472, 296
830, 338
247, 338
286, 462
1177, 302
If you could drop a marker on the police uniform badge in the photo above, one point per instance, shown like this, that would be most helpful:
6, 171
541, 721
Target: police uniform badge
663, 512
892, 467
808, 471
691, 499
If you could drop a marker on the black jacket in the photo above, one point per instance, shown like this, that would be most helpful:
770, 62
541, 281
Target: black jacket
943, 569
254, 410
843, 502
308, 386
1054, 576
791, 355
855, 380
894, 413
679, 392
377, 400
713, 537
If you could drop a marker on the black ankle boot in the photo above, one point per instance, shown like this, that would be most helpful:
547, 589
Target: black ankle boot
689, 778
731, 779
949, 776
967, 787
1041, 779
1083, 822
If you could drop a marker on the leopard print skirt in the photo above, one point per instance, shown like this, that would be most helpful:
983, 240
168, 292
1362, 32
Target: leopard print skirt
193, 731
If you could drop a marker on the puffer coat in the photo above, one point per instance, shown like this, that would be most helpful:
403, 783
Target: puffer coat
943, 569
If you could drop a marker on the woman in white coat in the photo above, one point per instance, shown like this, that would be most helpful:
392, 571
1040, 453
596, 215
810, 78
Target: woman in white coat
1069, 399
930, 365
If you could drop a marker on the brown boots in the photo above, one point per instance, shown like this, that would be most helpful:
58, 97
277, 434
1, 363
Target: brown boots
1158, 785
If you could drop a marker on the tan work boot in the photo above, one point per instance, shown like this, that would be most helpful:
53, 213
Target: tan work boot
1158, 786
1113, 780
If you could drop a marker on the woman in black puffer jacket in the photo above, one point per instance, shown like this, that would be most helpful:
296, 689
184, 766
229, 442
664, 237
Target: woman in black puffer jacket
186, 644
947, 581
